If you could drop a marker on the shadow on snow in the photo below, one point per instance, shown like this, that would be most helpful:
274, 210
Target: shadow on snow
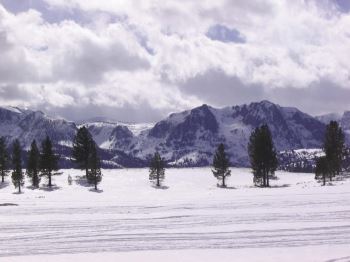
52, 188
160, 187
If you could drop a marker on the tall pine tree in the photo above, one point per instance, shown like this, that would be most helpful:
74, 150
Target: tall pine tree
48, 161
221, 165
262, 154
94, 174
81, 149
4, 159
17, 174
33, 162
334, 148
157, 170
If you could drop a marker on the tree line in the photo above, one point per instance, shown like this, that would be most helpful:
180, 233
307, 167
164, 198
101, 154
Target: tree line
261, 151
43, 162
263, 156
40, 163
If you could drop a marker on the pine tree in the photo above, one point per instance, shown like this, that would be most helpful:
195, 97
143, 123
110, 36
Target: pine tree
33, 164
322, 169
48, 161
94, 174
4, 159
156, 170
81, 149
221, 165
334, 148
262, 154
17, 174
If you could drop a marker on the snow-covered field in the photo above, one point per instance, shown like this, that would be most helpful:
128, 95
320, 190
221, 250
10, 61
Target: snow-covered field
189, 219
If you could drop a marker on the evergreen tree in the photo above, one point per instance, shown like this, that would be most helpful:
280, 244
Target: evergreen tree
33, 164
81, 149
322, 169
4, 159
17, 174
262, 154
334, 148
221, 165
156, 170
94, 174
48, 161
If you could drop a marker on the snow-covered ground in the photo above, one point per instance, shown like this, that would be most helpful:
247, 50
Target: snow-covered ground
189, 219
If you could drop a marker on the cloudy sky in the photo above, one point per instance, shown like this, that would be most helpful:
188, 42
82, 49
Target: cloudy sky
139, 60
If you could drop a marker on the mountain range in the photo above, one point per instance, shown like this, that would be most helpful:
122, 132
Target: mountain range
187, 138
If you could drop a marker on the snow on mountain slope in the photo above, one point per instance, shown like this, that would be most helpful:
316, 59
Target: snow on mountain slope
299, 160
115, 135
329, 117
101, 132
343, 120
194, 134
27, 125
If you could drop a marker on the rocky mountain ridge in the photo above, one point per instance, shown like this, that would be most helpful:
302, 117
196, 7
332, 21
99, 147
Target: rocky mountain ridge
188, 138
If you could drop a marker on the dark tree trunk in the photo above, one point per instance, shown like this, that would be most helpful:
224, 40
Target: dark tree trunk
50, 181
86, 172
264, 178
2, 177
223, 181
324, 179
158, 183
267, 179
95, 185
19, 187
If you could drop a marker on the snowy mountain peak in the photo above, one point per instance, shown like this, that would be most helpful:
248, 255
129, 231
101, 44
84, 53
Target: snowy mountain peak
11, 109
265, 103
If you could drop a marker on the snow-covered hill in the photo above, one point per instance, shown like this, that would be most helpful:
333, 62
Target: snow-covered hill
188, 138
